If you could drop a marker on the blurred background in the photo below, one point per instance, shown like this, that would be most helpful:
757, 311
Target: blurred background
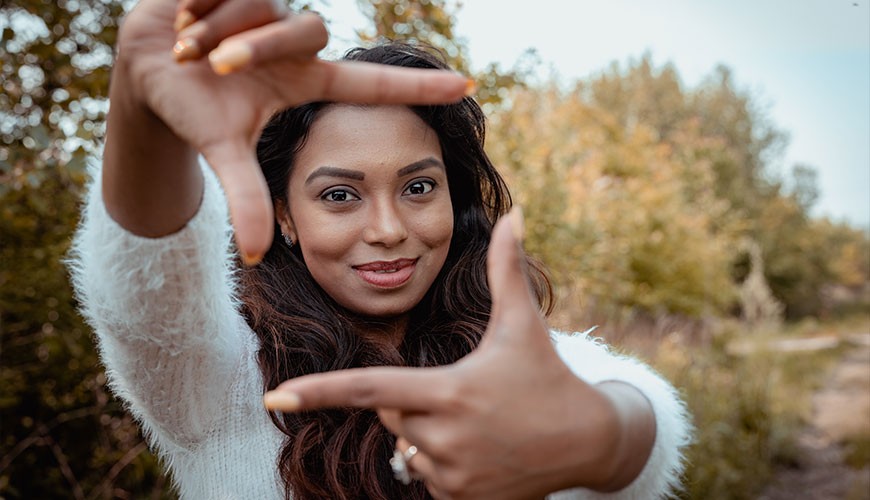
660, 188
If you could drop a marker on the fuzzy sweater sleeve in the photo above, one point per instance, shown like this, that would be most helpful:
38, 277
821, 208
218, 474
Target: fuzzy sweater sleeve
165, 315
591, 360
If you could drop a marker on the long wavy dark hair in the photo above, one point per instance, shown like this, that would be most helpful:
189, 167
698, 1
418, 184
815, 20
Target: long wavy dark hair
343, 453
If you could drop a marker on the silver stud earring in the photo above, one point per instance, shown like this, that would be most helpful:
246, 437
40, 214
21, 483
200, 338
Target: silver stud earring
289, 241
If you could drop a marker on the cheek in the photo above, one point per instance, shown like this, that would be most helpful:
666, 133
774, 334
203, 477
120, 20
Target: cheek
438, 228
441, 234
325, 242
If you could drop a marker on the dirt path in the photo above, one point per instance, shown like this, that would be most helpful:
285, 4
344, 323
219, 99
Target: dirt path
840, 409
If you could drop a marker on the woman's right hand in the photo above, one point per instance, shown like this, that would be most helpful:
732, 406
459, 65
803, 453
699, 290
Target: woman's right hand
243, 60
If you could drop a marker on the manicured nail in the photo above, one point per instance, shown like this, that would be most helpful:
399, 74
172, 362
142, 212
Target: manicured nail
282, 400
251, 260
186, 49
183, 20
230, 57
517, 223
470, 87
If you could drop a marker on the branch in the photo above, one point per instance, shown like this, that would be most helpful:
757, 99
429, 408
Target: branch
65, 468
106, 485
42, 430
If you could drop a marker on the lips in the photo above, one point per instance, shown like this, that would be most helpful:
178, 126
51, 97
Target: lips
383, 274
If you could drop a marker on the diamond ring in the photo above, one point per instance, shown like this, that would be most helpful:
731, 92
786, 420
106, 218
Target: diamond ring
399, 463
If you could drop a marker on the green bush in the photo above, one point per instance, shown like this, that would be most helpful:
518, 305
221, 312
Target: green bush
62, 434
747, 409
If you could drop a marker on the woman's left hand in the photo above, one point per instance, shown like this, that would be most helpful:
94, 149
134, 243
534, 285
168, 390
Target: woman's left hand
510, 420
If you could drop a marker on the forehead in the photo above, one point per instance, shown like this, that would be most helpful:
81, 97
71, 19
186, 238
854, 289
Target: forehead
365, 137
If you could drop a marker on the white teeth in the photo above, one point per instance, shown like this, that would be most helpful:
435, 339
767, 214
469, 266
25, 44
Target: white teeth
386, 271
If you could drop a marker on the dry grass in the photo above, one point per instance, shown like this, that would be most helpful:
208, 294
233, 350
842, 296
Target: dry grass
748, 408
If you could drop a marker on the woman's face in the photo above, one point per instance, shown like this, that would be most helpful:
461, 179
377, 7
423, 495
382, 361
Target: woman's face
370, 207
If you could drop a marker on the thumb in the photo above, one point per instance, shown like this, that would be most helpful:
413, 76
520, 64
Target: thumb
514, 306
247, 195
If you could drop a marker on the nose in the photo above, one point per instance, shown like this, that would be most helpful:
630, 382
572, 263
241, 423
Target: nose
385, 225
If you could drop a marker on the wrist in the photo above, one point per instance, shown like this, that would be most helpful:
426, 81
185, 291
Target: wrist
633, 437
586, 452
151, 182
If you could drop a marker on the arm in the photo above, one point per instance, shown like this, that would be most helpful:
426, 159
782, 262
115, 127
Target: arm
151, 262
647, 407
165, 112
165, 316
519, 417
140, 156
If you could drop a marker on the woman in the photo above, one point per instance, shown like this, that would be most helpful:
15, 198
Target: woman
387, 253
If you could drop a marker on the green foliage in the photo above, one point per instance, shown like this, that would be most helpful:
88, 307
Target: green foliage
620, 216
62, 434
636, 190
430, 23
55, 72
747, 410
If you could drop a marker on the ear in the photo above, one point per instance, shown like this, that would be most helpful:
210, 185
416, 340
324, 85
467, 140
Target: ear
282, 216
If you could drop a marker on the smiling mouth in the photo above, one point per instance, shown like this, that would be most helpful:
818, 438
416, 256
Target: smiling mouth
383, 274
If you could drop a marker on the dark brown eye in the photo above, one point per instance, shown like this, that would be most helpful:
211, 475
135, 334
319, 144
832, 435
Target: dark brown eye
339, 196
419, 187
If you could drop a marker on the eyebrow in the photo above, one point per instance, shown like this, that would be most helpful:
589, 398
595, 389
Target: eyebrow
335, 172
359, 176
419, 165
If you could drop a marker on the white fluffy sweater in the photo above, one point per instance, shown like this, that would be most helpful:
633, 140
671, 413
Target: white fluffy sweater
180, 355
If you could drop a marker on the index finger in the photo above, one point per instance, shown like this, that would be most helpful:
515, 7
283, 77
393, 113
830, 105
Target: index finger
408, 389
371, 83
247, 195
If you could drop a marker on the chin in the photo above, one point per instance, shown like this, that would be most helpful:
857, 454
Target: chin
383, 311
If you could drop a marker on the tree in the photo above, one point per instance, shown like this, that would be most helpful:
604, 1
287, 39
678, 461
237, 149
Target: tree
609, 207
62, 433
635, 188
719, 129
430, 23
55, 72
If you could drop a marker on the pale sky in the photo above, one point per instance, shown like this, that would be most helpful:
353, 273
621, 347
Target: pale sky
806, 61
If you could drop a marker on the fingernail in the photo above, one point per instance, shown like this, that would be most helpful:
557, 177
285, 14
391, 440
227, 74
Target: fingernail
183, 20
230, 57
517, 223
470, 87
282, 400
186, 49
251, 260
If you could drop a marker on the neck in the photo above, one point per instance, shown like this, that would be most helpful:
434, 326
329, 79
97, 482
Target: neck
385, 331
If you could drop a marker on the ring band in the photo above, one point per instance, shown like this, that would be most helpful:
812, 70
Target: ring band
399, 463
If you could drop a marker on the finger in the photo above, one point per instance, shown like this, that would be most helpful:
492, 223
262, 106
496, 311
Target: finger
297, 36
187, 12
197, 7
410, 389
506, 273
247, 195
224, 20
381, 84
420, 465
425, 430
404, 446
392, 420
436, 493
